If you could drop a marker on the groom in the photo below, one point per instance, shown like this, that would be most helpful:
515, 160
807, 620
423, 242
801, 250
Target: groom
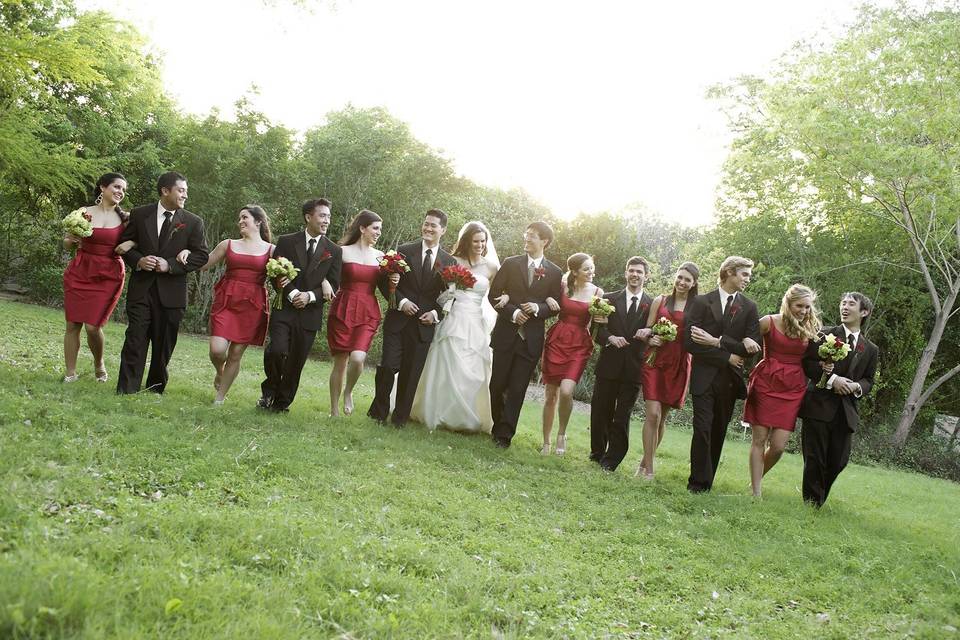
723, 329
408, 329
157, 296
517, 338
830, 415
294, 326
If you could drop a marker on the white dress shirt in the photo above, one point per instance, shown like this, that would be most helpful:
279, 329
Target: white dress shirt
724, 296
433, 261
160, 218
533, 263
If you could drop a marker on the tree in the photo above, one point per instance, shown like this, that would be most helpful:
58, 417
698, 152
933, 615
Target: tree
859, 141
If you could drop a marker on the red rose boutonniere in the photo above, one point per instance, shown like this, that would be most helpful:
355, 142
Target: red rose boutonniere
643, 309
859, 346
325, 256
539, 273
733, 311
177, 227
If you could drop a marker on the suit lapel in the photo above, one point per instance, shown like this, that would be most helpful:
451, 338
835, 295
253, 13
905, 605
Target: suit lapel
620, 308
152, 231
300, 248
317, 252
715, 306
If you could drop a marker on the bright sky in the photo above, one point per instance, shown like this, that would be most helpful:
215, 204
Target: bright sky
589, 106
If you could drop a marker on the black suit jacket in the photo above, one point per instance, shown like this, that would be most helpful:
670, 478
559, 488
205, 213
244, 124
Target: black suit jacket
741, 321
325, 264
422, 289
625, 363
185, 232
860, 366
512, 280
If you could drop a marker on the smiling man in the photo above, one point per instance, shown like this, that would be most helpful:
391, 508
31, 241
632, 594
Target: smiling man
723, 330
157, 296
408, 329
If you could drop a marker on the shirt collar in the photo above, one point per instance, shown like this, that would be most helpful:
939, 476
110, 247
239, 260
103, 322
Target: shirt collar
855, 334
536, 263
310, 237
161, 209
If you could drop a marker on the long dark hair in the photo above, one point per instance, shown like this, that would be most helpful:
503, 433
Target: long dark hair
106, 180
259, 215
364, 218
463, 248
574, 263
693, 270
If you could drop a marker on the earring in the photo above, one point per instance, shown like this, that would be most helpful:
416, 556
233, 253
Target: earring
99, 198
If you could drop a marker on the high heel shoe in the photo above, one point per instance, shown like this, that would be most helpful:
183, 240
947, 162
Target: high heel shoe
72, 378
348, 405
561, 447
545, 449
101, 374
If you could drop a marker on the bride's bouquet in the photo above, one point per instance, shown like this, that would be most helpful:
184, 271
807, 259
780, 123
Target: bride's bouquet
77, 223
832, 349
667, 331
456, 276
393, 262
280, 268
599, 308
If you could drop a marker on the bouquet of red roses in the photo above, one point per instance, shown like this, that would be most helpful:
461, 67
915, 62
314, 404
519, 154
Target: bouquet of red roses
833, 349
393, 262
456, 276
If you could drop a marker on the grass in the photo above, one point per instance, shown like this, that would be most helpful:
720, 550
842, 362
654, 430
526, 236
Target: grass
151, 516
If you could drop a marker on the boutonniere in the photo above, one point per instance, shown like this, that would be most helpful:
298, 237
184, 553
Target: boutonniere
177, 227
859, 346
643, 308
733, 310
539, 273
325, 256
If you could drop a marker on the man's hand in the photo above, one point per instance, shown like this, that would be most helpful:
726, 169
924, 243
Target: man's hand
521, 318
162, 265
529, 308
844, 386
701, 337
327, 290
618, 341
751, 345
301, 300
427, 318
147, 263
736, 361
410, 308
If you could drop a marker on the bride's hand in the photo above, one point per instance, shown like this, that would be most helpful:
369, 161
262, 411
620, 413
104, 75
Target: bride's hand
501, 301
183, 256
553, 304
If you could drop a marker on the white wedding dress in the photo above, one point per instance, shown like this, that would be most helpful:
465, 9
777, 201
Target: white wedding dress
454, 388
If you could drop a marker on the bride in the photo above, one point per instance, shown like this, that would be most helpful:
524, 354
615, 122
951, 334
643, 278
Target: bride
454, 388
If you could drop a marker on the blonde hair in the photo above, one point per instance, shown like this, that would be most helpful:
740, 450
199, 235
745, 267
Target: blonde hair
731, 265
811, 322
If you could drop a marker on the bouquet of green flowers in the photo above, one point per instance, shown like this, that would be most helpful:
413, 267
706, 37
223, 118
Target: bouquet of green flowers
832, 349
599, 308
667, 331
280, 268
78, 224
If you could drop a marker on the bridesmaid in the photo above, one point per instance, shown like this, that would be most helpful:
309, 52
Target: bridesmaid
777, 384
355, 312
665, 381
240, 310
93, 280
567, 347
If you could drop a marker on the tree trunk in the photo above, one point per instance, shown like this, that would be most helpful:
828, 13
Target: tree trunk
917, 397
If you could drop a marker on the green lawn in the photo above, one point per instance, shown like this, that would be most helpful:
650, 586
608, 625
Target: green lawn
150, 516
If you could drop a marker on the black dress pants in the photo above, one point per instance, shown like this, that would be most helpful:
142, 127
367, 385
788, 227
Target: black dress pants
610, 408
151, 324
712, 411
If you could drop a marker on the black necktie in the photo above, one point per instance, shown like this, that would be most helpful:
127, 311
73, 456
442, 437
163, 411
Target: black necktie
165, 227
425, 269
633, 308
727, 303
311, 249
852, 341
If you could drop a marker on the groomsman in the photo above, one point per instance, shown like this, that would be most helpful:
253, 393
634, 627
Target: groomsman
294, 327
723, 329
157, 296
830, 416
618, 368
518, 335
408, 329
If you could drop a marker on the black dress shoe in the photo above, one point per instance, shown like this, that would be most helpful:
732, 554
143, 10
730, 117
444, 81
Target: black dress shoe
501, 443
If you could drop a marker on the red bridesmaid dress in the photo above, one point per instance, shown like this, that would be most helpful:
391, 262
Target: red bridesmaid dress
666, 379
240, 308
93, 280
568, 344
355, 313
777, 384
